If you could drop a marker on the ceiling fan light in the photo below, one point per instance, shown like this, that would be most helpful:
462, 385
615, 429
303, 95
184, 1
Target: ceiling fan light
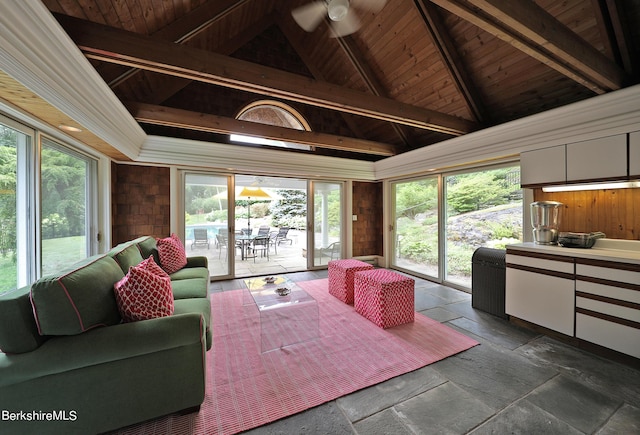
338, 9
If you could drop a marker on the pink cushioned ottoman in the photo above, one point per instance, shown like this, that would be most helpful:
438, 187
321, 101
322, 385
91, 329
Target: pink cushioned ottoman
384, 297
341, 274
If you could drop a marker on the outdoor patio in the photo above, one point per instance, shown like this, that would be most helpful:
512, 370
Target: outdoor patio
290, 257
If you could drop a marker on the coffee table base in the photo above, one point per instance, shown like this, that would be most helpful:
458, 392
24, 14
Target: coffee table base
284, 320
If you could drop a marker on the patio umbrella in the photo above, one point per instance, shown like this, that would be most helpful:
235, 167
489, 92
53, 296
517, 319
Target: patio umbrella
255, 193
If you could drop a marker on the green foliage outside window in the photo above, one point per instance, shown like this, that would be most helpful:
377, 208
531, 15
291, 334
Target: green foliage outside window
483, 208
290, 210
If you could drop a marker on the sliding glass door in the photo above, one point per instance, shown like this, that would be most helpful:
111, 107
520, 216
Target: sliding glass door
439, 221
416, 226
327, 222
484, 209
17, 262
206, 221
68, 180
276, 207
48, 203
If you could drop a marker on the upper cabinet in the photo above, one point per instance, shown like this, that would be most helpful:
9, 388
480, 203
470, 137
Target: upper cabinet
598, 159
603, 159
543, 166
634, 154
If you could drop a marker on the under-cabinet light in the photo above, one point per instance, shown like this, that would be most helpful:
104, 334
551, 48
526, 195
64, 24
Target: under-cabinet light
593, 186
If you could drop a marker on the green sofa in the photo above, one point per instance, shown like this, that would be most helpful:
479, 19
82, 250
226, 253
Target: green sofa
70, 365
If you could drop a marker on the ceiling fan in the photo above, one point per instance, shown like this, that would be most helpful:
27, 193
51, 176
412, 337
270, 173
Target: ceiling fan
343, 18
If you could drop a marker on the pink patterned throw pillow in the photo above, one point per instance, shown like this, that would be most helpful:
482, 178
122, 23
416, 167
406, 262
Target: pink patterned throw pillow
172, 254
151, 265
143, 294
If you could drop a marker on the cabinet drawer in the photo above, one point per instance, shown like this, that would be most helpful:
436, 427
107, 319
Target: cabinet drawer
620, 311
622, 338
543, 299
608, 291
546, 264
623, 274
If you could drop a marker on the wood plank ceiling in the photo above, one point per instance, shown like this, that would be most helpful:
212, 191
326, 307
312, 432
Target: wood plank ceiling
416, 73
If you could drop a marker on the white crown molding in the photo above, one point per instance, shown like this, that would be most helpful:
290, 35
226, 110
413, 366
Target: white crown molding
254, 160
36, 51
605, 115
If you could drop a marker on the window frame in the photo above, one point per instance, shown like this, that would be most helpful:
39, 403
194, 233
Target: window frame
29, 196
91, 191
442, 216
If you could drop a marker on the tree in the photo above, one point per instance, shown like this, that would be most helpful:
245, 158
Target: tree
290, 210
8, 165
476, 191
64, 191
416, 197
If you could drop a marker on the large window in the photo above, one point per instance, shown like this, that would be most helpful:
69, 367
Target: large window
484, 209
327, 222
16, 266
415, 233
47, 225
66, 182
440, 221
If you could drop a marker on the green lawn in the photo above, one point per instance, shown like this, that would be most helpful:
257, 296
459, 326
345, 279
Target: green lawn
56, 255
7, 274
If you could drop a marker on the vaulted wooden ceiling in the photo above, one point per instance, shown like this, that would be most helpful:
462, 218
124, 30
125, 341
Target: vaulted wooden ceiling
416, 73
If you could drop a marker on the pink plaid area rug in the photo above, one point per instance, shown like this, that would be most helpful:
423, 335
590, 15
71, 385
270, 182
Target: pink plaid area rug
246, 388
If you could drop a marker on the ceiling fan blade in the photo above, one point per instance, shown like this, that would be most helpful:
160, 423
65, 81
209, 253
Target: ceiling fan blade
310, 15
347, 26
374, 6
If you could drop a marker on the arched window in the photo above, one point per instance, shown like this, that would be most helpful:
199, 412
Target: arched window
272, 113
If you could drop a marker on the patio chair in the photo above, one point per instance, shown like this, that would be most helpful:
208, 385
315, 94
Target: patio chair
273, 241
282, 236
223, 243
200, 237
263, 230
259, 244
333, 251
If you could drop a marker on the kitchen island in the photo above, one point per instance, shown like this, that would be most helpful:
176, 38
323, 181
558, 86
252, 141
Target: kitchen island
591, 296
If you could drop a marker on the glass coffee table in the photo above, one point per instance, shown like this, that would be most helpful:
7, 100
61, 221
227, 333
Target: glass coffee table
288, 314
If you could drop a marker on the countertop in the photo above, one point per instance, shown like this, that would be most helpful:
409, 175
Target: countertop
627, 251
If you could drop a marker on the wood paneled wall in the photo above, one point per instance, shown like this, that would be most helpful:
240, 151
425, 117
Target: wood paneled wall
140, 203
367, 230
615, 212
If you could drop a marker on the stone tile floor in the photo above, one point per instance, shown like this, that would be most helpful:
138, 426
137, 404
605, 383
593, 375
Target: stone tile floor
516, 381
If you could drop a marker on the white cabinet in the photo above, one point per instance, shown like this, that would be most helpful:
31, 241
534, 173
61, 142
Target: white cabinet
634, 154
608, 305
607, 158
598, 159
543, 166
540, 290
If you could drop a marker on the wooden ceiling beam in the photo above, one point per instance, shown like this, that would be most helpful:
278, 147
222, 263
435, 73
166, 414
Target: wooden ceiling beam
186, 28
620, 29
532, 30
166, 116
357, 60
451, 58
172, 85
118, 46
285, 23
